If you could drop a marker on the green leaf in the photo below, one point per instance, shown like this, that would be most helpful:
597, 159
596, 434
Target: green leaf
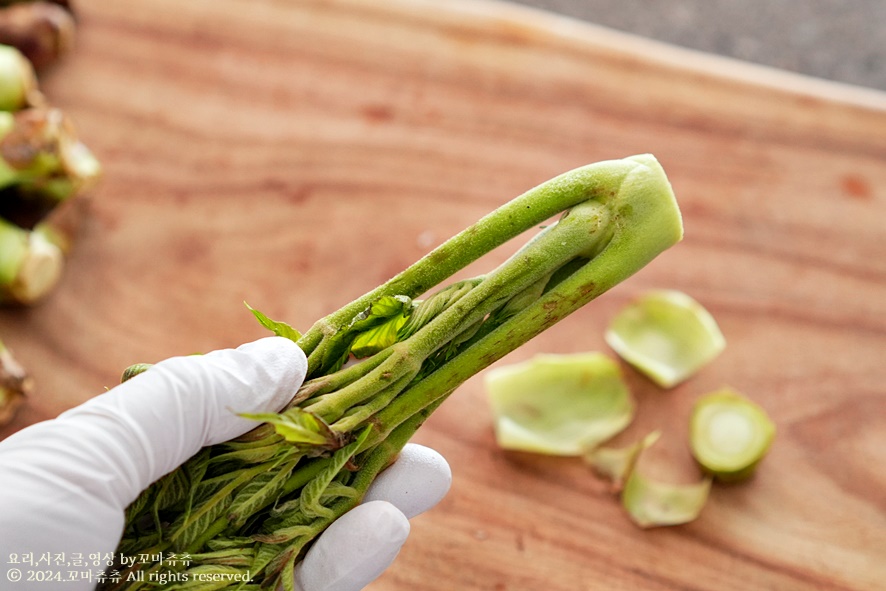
281, 329
195, 468
287, 577
288, 514
298, 426
141, 501
189, 527
376, 328
249, 456
134, 370
264, 554
173, 488
259, 492
375, 339
188, 530
312, 494
337, 490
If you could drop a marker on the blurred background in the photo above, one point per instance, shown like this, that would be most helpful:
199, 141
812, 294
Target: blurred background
840, 40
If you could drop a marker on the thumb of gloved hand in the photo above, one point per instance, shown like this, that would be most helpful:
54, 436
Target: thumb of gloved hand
67, 481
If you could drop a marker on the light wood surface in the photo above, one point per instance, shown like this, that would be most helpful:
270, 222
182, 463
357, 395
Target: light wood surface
296, 154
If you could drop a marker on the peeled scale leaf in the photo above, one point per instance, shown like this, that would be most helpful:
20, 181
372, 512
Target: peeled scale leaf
651, 503
667, 335
617, 463
559, 404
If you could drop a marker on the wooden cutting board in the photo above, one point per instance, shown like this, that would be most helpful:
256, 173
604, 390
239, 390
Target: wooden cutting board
297, 153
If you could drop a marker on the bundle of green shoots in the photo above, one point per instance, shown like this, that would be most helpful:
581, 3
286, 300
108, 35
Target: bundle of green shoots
246, 510
43, 165
43, 169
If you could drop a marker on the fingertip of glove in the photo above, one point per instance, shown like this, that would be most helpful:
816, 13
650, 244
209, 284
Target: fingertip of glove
416, 482
386, 521
355, 549
281, 356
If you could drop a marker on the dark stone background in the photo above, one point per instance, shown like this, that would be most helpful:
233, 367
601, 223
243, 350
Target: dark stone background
842, 40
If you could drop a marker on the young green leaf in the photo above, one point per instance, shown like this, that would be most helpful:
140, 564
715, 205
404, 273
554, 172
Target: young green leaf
281, 329
377, 328
375, 339
298, 426
312, 494
259, 492
134, 370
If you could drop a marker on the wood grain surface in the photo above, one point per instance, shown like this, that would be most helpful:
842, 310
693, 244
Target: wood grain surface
297, 153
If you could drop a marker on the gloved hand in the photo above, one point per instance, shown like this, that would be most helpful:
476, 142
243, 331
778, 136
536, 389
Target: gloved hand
65, 483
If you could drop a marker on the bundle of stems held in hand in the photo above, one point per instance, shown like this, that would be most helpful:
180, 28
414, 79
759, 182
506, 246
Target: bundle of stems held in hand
245, 511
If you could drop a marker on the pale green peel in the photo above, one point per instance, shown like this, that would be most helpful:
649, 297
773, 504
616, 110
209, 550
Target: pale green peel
648, 503
667, 335
559, 404
651, 504
617, 463
729, 434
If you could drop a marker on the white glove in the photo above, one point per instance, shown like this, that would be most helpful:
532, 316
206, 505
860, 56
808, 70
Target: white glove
65, 483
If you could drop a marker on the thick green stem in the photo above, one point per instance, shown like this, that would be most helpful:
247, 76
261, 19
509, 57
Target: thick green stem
598, 181
584, 230
18, 83
648, 222
30, 264
341, 378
